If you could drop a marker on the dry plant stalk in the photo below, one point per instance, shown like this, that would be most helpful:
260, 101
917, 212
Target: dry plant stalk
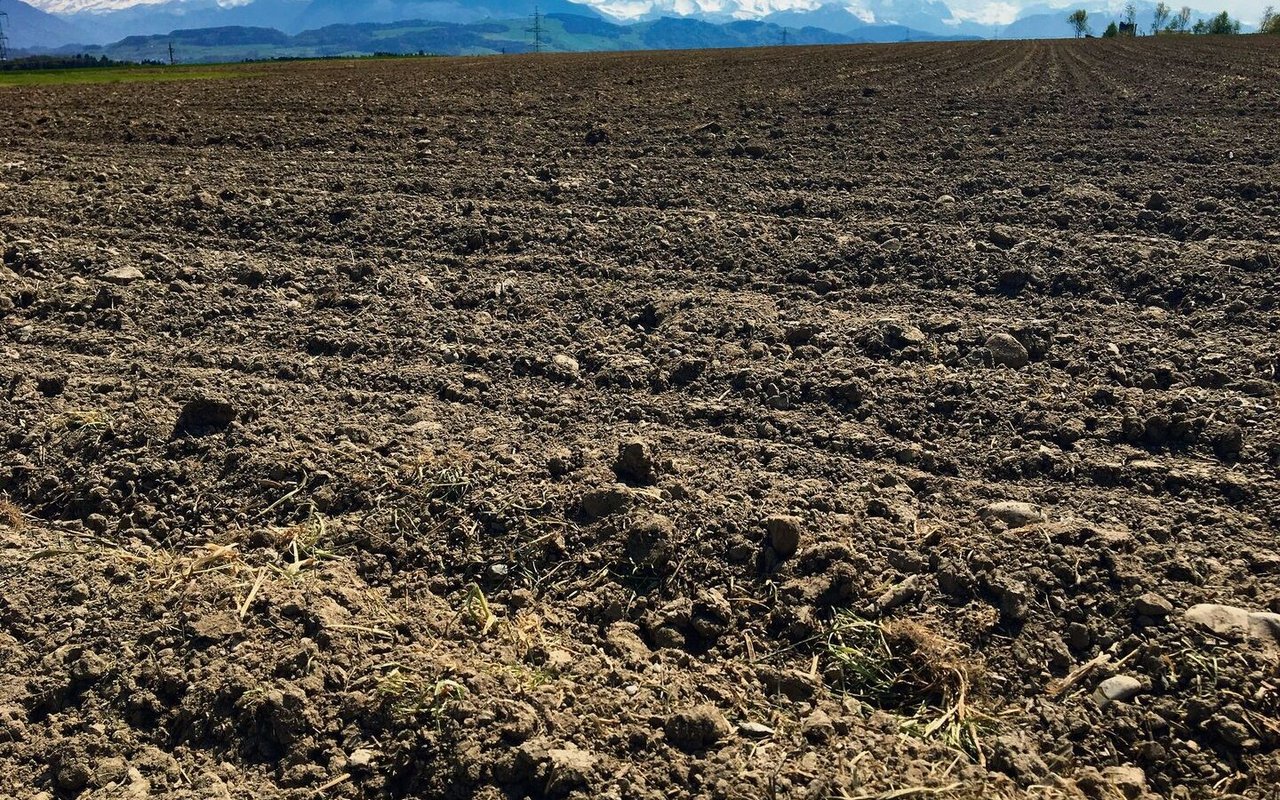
11, 516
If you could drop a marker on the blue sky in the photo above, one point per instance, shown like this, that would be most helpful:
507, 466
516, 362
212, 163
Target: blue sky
988, 12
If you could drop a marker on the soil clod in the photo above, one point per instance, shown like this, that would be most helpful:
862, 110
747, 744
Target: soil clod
204, 416
696, 729
784, 534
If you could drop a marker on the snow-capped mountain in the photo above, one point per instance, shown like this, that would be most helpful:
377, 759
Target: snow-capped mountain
101, 21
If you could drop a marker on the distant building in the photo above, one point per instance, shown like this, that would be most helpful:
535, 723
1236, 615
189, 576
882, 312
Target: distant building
1128, 29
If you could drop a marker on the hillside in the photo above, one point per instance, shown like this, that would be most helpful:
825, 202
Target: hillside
561, 32
28, 27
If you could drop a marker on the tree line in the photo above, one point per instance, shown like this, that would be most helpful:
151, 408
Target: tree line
1167, 21
62, 62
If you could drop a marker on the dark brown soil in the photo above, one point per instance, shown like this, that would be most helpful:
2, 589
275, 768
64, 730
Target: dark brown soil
804, 423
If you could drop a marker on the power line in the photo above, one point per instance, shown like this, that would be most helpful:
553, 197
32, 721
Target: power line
536, 30
4, 38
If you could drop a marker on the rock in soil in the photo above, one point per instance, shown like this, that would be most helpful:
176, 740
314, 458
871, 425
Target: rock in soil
1153, 605
755, 730
564, 368
1259, 627
1012, 514
123, 275
1007, 351
1120, 688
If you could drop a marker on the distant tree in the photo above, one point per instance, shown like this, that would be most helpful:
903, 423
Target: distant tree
1221, 25
1079, 20
1111, 32
1160, 18
1180, 21
1131, 18
1270, 22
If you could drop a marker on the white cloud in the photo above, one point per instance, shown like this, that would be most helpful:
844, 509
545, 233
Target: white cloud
72, 6
986, 12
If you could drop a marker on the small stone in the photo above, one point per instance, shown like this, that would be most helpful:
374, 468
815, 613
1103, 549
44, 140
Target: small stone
899, 594
899, 335
1007, 351
563, 368
1003, 237
636, 463
1157, 202
361, 758
1119, 689
697, 728
123, 275
755, 730
1222, 620
1152, 605
784, 534
1012, 514
1078, 636
945, 200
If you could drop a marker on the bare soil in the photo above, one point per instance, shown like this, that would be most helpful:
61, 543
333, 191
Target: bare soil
797, 423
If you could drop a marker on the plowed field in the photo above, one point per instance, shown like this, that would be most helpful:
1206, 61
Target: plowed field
859, 422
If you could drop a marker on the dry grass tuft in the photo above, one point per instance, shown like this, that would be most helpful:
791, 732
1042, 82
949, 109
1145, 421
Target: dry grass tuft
11, 516
905, 667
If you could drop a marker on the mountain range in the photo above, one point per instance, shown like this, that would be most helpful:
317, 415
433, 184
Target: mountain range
90, 25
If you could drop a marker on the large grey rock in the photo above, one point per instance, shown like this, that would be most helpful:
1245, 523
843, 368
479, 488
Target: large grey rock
1259, 627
